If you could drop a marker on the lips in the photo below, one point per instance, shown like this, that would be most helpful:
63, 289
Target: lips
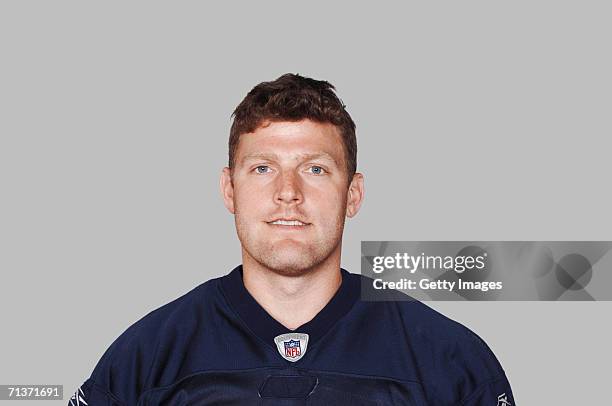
289, 222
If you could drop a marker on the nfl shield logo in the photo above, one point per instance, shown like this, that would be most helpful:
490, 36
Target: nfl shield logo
292, 346
292, 349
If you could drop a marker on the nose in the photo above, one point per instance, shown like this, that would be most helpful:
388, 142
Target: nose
288, 189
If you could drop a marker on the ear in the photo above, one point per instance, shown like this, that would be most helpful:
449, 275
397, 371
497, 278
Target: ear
355, 195
227, 189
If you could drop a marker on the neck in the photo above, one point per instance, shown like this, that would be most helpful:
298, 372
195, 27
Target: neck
292, 300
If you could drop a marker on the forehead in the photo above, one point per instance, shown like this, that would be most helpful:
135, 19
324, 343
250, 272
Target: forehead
292, 140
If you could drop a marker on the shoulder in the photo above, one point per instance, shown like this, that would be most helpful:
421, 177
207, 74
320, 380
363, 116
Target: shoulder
179, 311
453, 362
124, 369
419, 319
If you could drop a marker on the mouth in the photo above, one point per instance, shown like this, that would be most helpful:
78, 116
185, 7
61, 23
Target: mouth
288, 223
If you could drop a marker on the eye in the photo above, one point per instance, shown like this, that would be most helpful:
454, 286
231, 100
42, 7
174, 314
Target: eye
317, 170
262, 169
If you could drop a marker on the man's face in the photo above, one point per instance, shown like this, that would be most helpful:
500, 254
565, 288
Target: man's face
289, 194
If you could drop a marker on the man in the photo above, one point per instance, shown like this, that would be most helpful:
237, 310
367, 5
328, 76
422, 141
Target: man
287, 327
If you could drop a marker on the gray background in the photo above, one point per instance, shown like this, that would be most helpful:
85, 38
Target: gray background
476, 121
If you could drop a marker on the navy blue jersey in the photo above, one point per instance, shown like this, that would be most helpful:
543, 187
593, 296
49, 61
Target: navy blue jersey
217, 346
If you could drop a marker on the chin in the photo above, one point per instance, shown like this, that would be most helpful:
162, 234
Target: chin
290, 265
289, 257
289, 261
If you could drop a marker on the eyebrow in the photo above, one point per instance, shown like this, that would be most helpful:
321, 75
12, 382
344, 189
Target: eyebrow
272, 157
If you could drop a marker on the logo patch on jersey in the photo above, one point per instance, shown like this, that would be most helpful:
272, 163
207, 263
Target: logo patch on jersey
292, 349
77, 398
292, 346
502, 400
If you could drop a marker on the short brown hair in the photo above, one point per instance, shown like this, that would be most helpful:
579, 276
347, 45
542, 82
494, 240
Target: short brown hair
292, 97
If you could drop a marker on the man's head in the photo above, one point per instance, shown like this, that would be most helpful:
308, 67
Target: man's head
293, 98
291, 178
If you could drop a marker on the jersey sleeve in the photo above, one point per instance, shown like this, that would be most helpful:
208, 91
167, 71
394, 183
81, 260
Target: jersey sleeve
496, 392
466, 372
119, 376
90, 394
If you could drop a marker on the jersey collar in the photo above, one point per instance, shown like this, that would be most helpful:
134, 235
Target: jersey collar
266, 327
